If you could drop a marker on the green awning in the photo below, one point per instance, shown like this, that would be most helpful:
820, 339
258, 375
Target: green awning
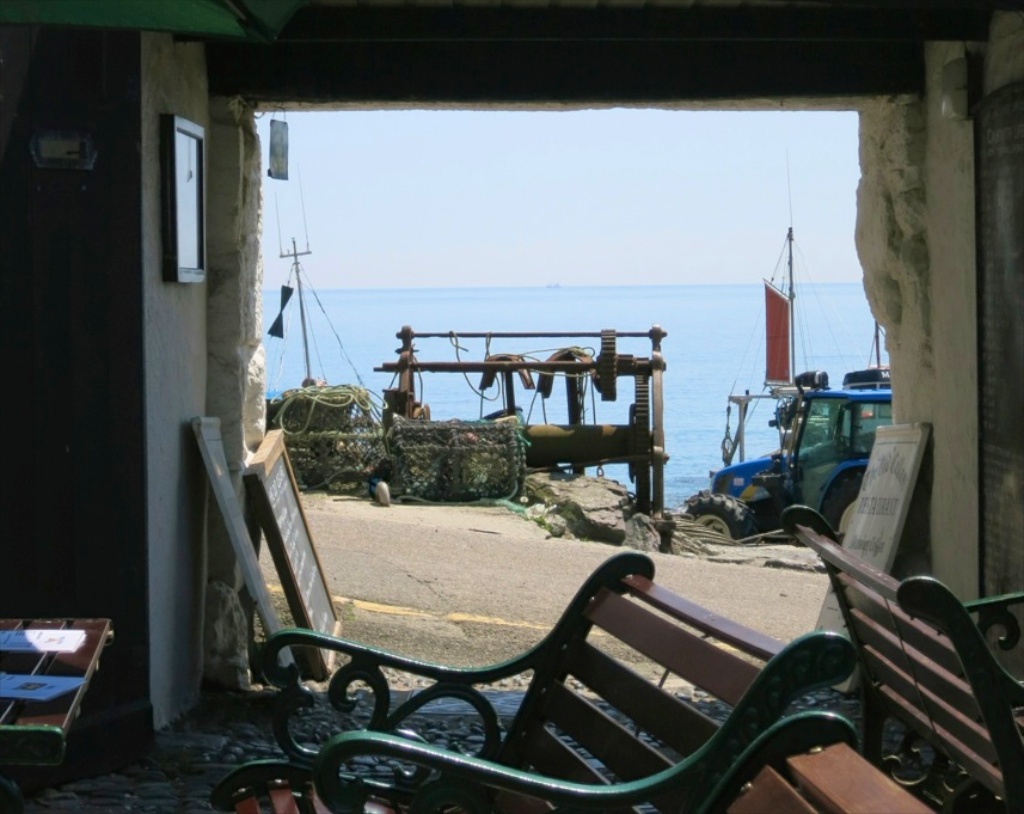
260, 20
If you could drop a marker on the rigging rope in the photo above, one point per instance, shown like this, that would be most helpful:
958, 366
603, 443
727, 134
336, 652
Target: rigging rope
341, 345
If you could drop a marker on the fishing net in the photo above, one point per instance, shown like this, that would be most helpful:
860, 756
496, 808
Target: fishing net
333, 434
457, 461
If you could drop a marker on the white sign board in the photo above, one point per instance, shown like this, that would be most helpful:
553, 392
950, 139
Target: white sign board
211, 446
882, 505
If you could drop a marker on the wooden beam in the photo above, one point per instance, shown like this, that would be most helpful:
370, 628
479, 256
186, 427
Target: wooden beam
587, 72
786, 24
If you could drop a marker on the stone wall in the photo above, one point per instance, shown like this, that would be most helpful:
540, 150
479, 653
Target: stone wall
916, 241
235, 388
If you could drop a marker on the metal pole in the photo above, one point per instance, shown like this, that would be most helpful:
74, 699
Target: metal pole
295, 255
792, 322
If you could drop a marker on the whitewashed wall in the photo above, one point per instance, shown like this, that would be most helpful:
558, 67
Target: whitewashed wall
173, 81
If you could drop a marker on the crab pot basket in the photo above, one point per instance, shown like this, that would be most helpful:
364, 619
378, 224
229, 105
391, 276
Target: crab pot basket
333, 436
457, 461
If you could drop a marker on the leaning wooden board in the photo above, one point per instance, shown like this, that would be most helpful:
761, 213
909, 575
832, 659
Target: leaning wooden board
211, 446
275, 494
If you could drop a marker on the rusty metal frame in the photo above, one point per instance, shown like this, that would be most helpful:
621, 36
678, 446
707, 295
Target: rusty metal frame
645, 445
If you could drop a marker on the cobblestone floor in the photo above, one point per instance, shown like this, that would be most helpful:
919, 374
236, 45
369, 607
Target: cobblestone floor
226, 729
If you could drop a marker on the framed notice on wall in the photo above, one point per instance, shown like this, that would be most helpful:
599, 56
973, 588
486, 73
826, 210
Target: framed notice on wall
882, 504
271, 484
183, 199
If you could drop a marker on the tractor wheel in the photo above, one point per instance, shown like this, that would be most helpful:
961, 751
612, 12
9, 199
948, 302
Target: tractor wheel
841, 500
722, 513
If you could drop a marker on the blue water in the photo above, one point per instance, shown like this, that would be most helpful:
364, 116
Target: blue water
714, 347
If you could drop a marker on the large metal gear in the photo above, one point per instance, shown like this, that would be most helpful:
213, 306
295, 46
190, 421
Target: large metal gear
607, 367
640, 426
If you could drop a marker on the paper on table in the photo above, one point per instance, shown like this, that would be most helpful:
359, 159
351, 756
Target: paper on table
51, 641
37, 688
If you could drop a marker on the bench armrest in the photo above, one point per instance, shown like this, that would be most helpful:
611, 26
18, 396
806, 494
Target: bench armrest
470, 783
284, 675
993, 611
366, 666
810, 662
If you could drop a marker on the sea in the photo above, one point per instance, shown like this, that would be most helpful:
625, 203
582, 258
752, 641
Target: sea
714, 347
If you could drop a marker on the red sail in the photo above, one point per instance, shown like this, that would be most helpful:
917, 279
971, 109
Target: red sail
777, 335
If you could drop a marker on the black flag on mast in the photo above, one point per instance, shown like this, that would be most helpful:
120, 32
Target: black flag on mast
277, 329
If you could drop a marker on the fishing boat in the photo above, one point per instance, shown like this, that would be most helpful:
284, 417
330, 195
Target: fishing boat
825, 435
780, 380
333, 432
287, 291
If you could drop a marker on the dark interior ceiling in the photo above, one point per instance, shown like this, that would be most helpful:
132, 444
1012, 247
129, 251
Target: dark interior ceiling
510, 52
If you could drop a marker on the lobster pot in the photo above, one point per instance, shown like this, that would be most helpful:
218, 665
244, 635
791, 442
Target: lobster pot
333, 435
456, 461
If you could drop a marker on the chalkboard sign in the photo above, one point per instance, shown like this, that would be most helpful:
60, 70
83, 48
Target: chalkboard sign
882, 504
275, 494
211, 447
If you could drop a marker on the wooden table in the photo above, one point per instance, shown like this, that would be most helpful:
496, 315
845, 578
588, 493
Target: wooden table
34, 732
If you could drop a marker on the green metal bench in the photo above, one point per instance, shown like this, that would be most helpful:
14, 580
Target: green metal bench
592, 732
925, 662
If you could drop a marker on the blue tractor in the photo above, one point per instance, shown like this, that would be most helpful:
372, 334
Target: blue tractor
827, 437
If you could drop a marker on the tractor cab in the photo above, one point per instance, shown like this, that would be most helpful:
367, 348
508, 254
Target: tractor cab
827, 436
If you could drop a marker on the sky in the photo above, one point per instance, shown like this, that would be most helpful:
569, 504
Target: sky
605, 197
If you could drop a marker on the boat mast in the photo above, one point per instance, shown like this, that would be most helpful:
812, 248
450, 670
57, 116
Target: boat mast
792, 297
295, 255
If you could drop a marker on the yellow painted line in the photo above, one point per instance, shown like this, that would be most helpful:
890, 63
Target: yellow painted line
399, 610
493, 620
376, 607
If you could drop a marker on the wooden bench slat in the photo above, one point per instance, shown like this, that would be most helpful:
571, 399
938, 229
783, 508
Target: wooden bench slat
838, 780
282, 801
964, 734
711, 668
918, 634
941, 698
908, 667
613, 745
769, 792
925, 639
929, 665
974, 764
927, 707
669, 719
743, 638
545, 753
